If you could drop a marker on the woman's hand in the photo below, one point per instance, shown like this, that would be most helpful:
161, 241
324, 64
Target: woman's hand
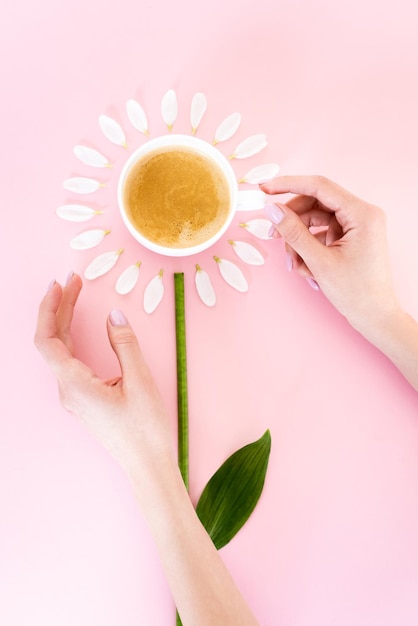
346, 255
347, 258
125, 414
128, 418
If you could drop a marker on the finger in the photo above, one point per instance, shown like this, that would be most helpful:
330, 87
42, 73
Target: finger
334, 232
47, 315
125, 345
295, 262
313, 214
315, 218
304, 204
65, 311
296, 234
329, 194
46, 336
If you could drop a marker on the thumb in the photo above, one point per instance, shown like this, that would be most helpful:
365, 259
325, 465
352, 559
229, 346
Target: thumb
125, 345
295, 233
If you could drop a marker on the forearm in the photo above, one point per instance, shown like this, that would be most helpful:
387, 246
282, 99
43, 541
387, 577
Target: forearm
397, 337
202, 588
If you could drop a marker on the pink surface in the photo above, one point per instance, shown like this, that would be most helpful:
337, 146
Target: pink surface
334, 539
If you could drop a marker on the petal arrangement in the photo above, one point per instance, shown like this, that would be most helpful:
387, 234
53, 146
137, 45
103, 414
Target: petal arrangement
233, 491
248, 200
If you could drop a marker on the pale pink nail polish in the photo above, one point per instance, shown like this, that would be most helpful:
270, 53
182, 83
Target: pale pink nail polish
69, 277
271, 232
274, 213
117, 318
312, 283
289, 262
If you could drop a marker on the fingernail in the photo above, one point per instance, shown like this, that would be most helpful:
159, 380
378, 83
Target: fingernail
117, 318
271, 232
69, 277
51, 284
312, 283
274, 213
289, 262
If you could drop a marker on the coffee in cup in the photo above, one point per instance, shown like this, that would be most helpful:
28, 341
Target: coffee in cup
177, 194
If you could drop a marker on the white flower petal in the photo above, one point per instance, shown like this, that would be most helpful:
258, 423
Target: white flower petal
112, 130
88, 156
198, 108
247, 253
128, 279
82, 185
137, 117
88, 239
259, 228
261, 173
232, 274
76, 212
204, 287
153, 293
227, 128
169, 108
102, 264
250, 200
250, 146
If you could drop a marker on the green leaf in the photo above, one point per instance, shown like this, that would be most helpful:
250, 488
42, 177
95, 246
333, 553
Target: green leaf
232, 493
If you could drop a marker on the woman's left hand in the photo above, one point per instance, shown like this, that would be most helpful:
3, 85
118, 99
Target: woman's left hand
125, 414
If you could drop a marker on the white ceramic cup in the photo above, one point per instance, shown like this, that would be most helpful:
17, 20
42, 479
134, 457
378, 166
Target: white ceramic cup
200, 147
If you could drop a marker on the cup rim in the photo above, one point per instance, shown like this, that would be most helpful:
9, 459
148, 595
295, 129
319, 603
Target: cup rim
200, 146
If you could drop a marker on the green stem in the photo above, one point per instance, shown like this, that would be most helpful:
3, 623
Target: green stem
182, 397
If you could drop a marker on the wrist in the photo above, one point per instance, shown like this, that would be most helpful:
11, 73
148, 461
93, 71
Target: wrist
153, 475
395, 334
382, 327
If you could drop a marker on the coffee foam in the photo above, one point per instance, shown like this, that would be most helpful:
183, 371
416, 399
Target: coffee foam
176, 197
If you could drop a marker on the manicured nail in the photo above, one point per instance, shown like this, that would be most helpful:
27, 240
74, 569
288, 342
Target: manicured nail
69, 277
51, 284
312, 283
289, 262
271, 232
274, 213
117, 318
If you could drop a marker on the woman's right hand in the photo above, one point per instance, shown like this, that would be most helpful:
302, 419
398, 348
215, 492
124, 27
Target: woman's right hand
348, 258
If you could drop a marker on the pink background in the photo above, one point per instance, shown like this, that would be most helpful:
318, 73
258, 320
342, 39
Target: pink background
334, 540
